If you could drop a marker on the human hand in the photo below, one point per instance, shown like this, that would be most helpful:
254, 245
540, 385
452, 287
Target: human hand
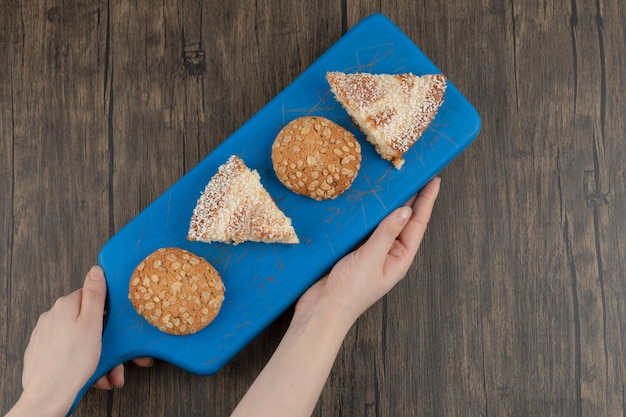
293, 378
365, 275
64, 350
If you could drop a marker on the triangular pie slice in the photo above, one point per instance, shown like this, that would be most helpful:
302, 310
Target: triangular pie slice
235, 207
393, 110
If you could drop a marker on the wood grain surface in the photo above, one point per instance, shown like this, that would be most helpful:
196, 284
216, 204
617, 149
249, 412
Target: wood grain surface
515, 305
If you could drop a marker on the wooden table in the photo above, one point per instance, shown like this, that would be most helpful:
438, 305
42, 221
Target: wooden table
515, 303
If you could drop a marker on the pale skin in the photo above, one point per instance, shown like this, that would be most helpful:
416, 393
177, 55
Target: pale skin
65, 345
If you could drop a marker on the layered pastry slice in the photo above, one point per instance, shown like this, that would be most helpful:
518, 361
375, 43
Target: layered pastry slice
235, 207
393, 110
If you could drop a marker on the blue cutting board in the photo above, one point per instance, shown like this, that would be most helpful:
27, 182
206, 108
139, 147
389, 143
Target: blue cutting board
263, 280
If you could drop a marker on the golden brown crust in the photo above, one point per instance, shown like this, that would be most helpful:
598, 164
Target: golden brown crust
392, 110
176, 291
315, 157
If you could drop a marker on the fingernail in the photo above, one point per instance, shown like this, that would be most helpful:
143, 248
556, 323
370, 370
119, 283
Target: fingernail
96, 273
404, 213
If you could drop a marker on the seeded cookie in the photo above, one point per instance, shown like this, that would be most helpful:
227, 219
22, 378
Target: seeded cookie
176, 291
315, 157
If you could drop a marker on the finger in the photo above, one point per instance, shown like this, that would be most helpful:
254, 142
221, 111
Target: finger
113, 379
386, 233
412, 234
143, 362
411, 200
116, 376
93, 296
426, 198
103, 383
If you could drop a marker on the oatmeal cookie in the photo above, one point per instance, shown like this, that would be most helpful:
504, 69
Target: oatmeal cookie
315, 157
176, 291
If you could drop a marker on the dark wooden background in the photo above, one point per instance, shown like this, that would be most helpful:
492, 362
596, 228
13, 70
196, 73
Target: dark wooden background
515, 305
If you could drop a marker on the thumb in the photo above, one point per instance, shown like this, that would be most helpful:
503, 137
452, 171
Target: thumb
382, 239
93, 296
